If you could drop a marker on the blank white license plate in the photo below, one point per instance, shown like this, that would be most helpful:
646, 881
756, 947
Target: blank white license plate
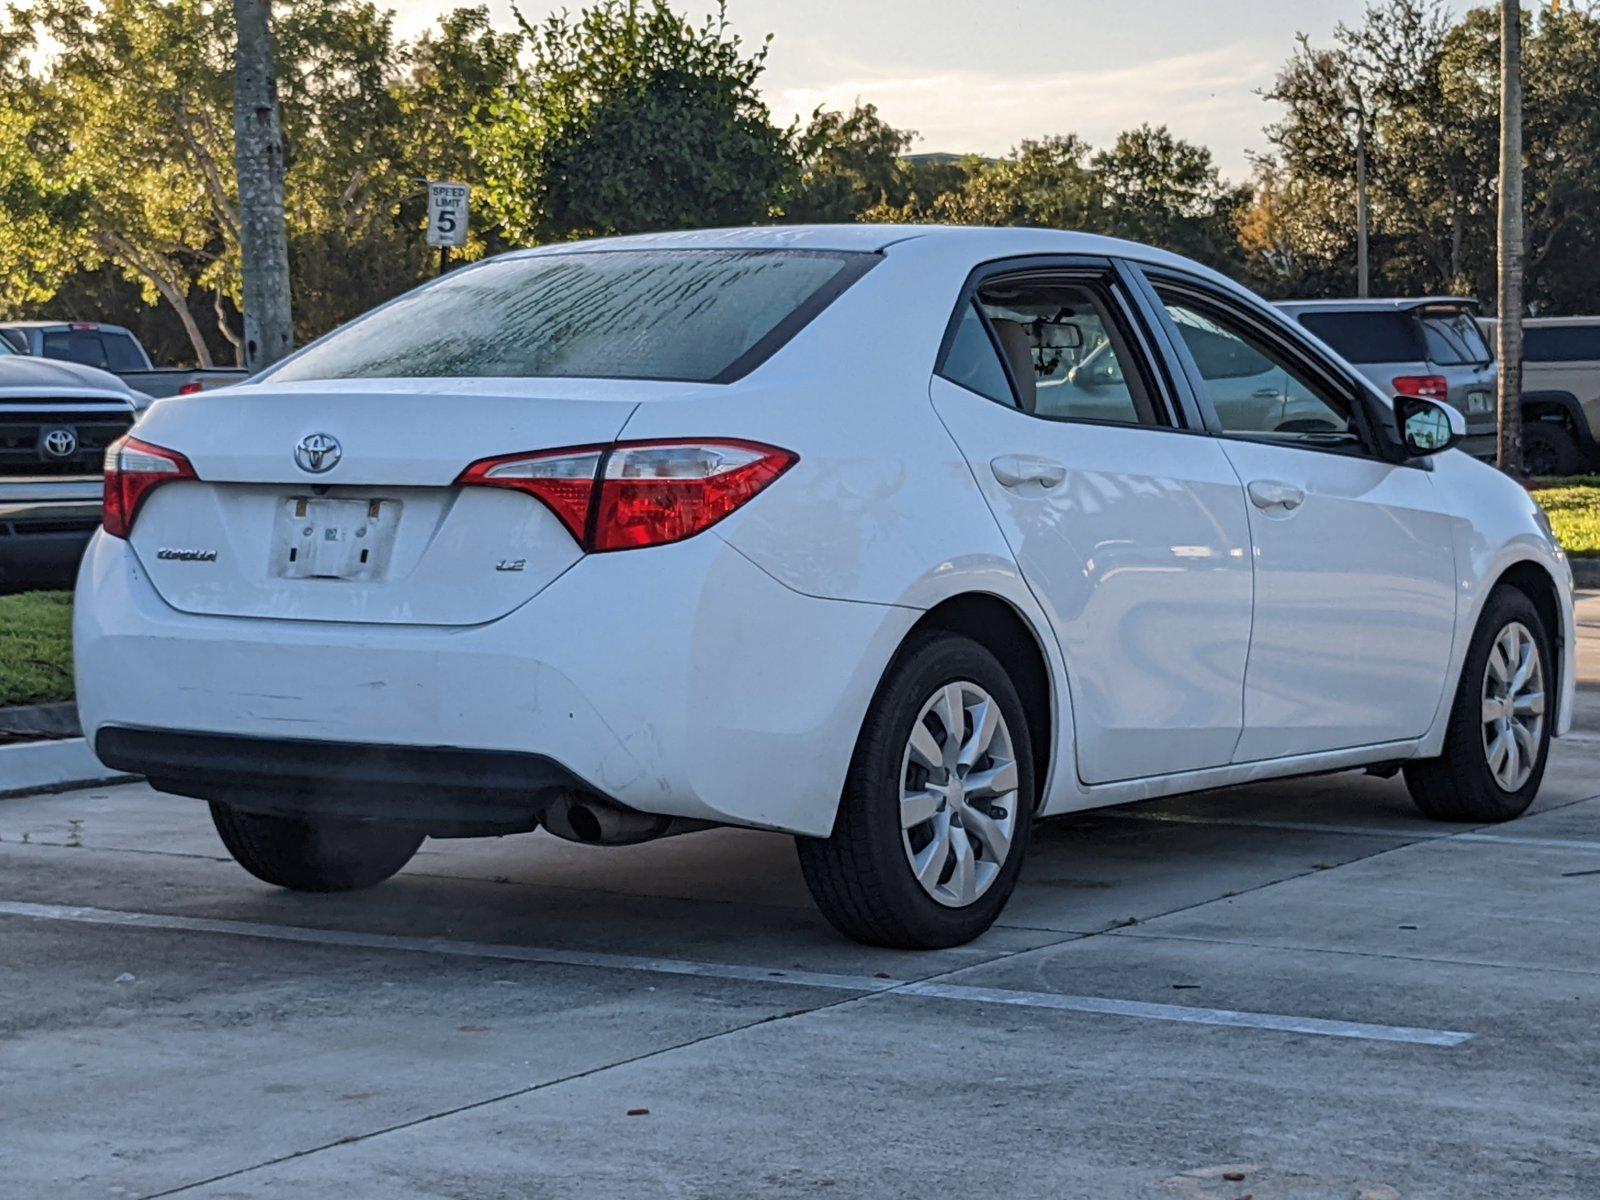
320, 538
1480, 404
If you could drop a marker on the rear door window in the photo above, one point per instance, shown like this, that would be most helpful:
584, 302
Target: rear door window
1369, 337
973, 360
1561, 343
705, 316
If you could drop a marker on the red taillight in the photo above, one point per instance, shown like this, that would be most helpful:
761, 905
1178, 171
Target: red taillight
134, 469
637, 494
190, 388
1424, 387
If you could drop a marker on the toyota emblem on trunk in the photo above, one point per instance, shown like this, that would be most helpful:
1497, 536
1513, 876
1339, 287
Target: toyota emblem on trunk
318, 452
60, 442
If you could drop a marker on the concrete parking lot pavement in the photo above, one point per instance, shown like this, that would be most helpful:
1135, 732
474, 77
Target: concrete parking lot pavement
1286, 990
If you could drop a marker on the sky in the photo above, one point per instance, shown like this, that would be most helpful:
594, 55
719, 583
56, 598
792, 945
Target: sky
975, 77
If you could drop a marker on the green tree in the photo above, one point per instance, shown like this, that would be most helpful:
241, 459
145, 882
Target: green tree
117, 149
1427, 84
849, 163
629, 117
1046, 182
1156, 188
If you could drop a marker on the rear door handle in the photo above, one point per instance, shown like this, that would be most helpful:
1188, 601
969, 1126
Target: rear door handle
1017, 470
1271, 493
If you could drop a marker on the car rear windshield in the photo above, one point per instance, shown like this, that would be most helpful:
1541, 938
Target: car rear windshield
110, 351
1453, 339
697, 315
1368, 337
1561, 343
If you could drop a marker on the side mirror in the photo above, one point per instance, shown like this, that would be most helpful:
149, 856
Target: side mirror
1427, 427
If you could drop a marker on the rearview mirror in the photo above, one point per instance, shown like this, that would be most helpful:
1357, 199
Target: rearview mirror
1063, 336
1427, 427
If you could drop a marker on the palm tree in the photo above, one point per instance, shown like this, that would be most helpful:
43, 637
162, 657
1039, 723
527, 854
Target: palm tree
1508, 258
258, 159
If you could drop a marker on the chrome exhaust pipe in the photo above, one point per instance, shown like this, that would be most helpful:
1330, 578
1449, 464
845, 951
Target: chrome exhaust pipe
591, 821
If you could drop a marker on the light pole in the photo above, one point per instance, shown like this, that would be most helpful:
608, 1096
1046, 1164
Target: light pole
1363, 211
1363, 217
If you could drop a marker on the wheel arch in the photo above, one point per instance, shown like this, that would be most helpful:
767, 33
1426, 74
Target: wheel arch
996, 625
1531, 579
1565, 409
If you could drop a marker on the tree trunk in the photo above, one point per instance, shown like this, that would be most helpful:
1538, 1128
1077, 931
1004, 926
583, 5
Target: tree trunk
258, 156
1509, 254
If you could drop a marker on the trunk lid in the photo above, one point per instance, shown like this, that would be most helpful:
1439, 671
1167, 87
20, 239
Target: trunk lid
380, 534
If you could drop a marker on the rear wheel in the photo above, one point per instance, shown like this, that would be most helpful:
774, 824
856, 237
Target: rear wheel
314, 855
937, 807
1548, 449
1498, 737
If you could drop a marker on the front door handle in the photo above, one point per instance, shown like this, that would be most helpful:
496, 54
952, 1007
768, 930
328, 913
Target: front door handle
1016, 470
1271, 493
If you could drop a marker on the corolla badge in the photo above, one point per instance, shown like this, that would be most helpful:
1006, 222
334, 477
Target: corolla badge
318, 452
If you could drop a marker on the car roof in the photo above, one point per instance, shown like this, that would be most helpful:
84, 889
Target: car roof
62, 325
1559, 322
1381, 304
984, 242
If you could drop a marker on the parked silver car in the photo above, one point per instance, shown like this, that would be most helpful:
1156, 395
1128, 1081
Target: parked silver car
1429, 347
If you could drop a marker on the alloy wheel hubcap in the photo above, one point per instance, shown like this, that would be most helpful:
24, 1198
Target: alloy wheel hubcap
1513, 707
958, 794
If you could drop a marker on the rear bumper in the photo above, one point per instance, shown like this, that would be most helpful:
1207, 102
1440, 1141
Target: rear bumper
1482, 446
681, 681
444, 790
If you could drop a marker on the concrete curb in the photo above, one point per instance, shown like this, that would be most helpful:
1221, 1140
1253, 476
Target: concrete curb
1585, 572
51, 766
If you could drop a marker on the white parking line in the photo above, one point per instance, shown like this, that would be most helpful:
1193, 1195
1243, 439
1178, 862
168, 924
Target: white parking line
1138, 1009
1378, 831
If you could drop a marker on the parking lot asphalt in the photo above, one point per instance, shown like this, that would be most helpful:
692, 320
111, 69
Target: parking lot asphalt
1289, 990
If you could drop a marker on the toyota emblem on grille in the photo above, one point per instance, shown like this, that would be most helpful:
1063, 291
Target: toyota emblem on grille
318, 452
60, 442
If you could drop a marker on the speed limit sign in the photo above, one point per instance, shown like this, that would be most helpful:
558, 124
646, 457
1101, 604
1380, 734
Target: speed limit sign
447, 214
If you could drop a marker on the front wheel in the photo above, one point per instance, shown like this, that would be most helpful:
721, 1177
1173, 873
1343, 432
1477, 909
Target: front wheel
1498, 738
314, 854
936, 810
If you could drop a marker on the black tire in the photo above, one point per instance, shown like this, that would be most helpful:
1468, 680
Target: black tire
860, 876
314, 855
1548, 450
1459, 785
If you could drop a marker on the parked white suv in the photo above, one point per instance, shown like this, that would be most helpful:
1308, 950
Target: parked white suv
810, 530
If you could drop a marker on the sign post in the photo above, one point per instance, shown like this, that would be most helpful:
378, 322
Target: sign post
447, 217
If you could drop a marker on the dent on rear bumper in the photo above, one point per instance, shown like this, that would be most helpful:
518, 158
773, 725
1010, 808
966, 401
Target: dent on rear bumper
680, 680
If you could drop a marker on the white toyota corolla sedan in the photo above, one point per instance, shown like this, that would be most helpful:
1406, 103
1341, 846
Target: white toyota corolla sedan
890, 538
